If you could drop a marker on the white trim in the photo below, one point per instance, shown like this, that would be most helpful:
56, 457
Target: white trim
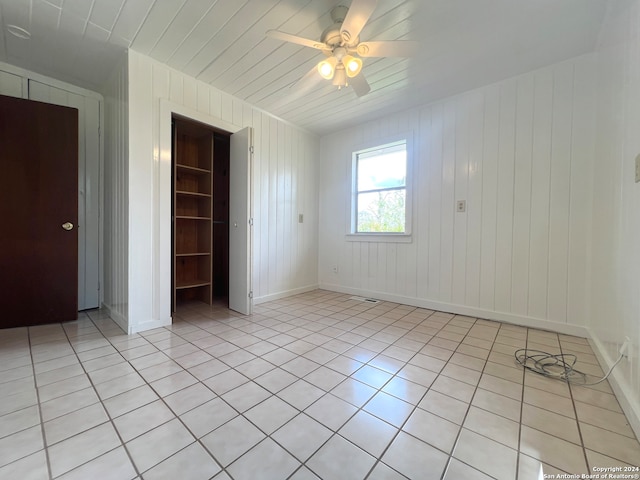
352, 235
162, 262
149, 325
97, 182
284, 294
29, 75
116, 317
379, 237
565, 328
619, 384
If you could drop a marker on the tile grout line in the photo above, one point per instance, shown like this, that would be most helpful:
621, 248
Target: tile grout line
526, 341
292, 314
110, 419
35, 385
575, 412
457, 439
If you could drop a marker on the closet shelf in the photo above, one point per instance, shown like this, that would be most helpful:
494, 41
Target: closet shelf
182, 284
192, 170
186, 217
193, 194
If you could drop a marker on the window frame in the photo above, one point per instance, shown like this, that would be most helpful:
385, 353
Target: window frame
390, 237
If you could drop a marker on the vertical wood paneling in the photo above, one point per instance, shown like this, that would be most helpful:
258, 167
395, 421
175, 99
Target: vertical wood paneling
215, 103
560, 192
507, 150
474, 200
190, 92
614, 307
540, 178
264, 205
488, 252
421, 205
448, 201
143, 197
435, 200
504, 222
11, 85
583, 144
203, 98
459, 282
116, 186
522, 196
273, 203
276, 234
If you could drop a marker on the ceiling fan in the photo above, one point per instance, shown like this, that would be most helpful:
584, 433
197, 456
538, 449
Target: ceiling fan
340, 43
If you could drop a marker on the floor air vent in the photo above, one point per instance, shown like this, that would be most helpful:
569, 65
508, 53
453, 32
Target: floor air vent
366, 300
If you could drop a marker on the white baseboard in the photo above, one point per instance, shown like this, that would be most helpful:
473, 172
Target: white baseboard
619, 383
130, 328
564, 328
284, 294
149, 325
121, 320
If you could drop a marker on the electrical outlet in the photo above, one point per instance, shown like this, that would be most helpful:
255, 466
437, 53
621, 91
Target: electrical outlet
461, 206
624, 348
335, 269
300, 218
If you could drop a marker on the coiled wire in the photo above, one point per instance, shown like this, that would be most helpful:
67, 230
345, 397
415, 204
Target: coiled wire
558, 366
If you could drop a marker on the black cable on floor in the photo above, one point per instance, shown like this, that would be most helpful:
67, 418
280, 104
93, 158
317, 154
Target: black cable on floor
558, 366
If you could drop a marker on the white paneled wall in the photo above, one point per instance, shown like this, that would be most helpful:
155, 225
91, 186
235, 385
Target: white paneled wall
284, 185
11, 85
116, 195
520, 152
615, 295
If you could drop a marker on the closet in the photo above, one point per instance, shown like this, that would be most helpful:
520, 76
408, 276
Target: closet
200, 213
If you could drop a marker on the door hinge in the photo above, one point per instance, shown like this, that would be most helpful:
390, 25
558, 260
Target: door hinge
98, 286
251, 222
251, 294
251, 149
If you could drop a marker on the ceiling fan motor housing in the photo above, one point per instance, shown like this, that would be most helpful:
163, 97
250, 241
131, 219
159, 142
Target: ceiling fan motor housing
332, 35
339, 13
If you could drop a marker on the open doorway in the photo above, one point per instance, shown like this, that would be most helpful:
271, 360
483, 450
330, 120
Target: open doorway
200, 213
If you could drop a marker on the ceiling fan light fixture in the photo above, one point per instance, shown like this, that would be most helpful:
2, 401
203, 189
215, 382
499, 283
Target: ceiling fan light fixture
352, 65
326, 68
340, 77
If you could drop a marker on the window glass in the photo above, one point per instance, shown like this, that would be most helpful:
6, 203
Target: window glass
380, 196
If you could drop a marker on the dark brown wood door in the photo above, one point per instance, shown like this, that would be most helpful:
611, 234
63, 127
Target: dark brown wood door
38, 196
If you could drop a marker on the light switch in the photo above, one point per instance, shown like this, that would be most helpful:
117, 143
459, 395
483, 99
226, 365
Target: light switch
300, 218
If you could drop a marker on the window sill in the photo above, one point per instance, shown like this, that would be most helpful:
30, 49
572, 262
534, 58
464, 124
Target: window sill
379, 237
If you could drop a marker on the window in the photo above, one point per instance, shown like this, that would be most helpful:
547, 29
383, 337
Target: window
380, 190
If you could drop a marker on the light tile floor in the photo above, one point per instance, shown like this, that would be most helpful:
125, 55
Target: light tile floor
312, 386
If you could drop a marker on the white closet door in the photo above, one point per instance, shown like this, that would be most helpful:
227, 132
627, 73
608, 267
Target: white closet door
240, 228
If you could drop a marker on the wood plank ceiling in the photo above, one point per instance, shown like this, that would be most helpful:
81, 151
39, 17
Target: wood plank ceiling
463, 44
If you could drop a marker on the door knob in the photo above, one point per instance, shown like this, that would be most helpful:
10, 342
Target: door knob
67, 226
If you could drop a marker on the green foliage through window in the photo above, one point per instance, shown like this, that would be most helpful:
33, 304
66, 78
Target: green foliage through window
381, 189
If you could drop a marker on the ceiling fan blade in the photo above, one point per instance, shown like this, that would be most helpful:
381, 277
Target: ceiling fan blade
306, 83
399, 48
357, 17
287, 37
360, 85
